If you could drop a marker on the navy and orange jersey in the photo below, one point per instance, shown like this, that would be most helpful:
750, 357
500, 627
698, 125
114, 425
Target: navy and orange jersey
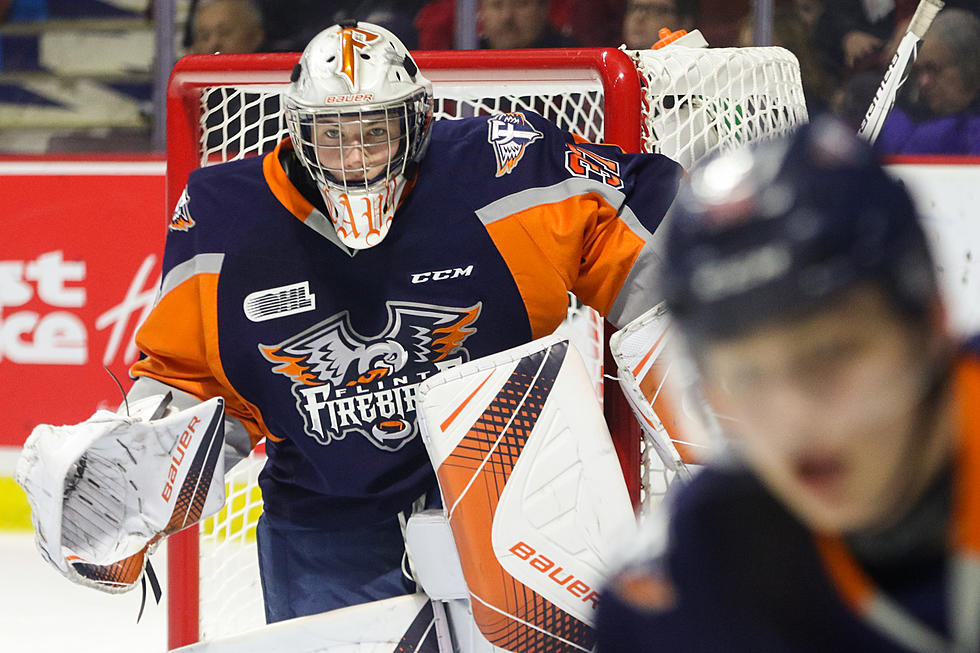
319, 348
737, 572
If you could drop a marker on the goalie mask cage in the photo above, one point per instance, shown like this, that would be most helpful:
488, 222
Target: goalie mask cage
682, 102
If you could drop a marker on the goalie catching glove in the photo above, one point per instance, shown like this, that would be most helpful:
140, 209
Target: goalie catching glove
103, 492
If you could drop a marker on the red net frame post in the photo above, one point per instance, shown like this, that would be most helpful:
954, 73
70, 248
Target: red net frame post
622, 121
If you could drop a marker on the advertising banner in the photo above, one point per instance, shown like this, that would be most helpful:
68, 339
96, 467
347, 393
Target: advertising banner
80, 264
79, 268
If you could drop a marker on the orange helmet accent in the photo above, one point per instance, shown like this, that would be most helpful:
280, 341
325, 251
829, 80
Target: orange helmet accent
667, 37
353, 37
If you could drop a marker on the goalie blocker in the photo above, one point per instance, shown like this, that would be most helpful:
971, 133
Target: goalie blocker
104, 492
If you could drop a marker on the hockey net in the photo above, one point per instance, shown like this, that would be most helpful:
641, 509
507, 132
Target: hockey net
685, 103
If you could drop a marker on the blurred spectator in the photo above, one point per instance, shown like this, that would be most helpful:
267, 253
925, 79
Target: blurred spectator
436, 25
789, 30
290, 24
850, 34
519, 24
942, 114
809, 12
592, 23
588, 22
718, 20
644, 18
851, 100
853, 36
227, 26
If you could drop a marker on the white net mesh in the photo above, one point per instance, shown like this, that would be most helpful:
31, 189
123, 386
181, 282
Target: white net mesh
693, 103
655, 476
240, 121
698, 101
230, 590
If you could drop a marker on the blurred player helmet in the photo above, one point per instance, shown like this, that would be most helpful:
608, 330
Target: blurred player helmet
773, 231
358, 113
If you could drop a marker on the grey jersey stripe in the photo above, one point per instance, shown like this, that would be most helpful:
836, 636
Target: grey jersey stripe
896, 622
638, 292
200, 264
563, 190
965, 595
323, 226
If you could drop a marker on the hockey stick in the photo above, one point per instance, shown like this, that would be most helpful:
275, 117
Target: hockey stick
898, 69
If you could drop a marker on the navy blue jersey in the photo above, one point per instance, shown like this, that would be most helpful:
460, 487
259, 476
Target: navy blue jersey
738, 573
319, 348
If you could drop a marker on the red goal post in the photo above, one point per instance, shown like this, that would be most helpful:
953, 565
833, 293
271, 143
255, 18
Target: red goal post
682, 102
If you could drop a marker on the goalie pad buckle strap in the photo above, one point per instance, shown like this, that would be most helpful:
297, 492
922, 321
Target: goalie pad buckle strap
149, 575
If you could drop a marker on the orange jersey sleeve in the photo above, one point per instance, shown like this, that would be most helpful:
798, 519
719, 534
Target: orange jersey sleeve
180, 340
578, 236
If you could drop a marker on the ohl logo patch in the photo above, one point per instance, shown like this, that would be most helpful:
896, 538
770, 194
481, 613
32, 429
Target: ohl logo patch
345, 383
182, 220
510, 134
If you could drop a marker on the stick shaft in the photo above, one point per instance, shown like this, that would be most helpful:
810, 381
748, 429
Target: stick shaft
898, 69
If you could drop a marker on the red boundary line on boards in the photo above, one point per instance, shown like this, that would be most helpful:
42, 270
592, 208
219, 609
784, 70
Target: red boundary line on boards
97, 157
931, 159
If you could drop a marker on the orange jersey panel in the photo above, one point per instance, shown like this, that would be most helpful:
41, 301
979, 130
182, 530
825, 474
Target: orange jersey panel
550, 251
967, 491
177, 356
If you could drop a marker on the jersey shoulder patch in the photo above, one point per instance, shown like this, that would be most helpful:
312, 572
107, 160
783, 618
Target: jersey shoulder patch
181, 219
510, 134
587, 164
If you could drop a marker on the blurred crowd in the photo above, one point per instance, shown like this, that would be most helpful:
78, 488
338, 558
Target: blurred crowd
843, 46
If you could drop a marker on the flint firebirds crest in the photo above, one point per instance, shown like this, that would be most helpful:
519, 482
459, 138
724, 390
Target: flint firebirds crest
347, 383
510, 134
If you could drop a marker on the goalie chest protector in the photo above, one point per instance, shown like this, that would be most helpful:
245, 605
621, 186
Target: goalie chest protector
320, 348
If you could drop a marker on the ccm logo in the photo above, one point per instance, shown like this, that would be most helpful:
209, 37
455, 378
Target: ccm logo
178, 457
442, 275
576, 587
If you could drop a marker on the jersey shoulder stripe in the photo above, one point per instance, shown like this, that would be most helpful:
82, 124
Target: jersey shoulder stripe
199, 264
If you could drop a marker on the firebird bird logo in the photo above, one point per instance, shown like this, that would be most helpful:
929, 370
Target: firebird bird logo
510, 134
182, 220
347, 383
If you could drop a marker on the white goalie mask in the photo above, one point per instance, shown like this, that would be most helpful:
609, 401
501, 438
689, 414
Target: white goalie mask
358, 113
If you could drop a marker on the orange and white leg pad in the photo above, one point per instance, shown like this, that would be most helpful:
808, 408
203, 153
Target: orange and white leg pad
533, 493
660, 383
104, 491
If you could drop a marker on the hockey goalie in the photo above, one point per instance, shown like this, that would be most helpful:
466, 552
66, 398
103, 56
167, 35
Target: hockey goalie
313, 289
534, 505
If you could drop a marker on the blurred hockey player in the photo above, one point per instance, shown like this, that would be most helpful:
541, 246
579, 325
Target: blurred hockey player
312, 289
846, 515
